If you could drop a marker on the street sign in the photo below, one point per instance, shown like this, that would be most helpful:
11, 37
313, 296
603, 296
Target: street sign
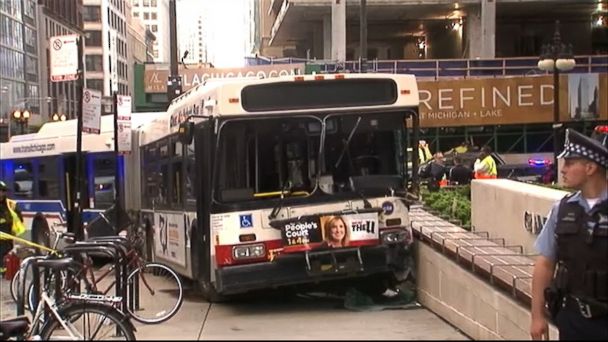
123, 110
64, 58
91, 111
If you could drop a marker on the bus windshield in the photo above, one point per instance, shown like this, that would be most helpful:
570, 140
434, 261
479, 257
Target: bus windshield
363, 153
273, 157
265, 158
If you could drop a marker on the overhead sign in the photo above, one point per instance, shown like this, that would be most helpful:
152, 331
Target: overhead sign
124, 123
512, 100
91, 111
155, 77
64, 58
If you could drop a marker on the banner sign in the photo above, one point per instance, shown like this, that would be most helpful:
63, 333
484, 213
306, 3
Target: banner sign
511, 100
155, 76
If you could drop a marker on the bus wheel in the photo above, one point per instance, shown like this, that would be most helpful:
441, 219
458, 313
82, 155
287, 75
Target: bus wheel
41, 234
209, 293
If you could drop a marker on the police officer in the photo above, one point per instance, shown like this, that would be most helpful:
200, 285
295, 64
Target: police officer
11, 222
574, 241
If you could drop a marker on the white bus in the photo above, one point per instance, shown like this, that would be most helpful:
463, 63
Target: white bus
39, 169
245, 181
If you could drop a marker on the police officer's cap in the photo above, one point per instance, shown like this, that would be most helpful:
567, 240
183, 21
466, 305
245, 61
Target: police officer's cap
3, 186
578, 145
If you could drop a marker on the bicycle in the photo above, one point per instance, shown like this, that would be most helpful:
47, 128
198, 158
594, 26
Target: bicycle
75, 317
155, 285
152, 284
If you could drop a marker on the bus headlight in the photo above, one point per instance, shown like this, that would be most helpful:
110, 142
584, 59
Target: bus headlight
249, 251
394, 236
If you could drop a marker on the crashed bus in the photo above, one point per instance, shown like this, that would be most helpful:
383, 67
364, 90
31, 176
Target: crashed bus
252, 184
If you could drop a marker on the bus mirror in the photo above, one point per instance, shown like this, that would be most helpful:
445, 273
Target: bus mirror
186, 132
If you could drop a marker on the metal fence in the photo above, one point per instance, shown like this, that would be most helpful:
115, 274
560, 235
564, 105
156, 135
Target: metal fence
444, 68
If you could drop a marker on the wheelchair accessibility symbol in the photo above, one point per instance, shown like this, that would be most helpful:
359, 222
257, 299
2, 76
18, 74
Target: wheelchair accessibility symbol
246, 221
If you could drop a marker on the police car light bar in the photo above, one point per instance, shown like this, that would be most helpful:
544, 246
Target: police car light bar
539, 162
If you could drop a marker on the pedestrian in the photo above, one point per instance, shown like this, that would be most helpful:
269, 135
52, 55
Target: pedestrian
11, 222
574, 240
485, 166
460, 174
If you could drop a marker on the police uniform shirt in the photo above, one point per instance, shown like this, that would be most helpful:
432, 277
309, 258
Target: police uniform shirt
546, 243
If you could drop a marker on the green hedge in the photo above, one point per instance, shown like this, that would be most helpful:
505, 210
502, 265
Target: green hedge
451, 203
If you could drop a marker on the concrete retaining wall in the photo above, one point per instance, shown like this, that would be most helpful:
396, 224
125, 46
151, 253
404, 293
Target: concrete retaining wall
472, 305
511, 210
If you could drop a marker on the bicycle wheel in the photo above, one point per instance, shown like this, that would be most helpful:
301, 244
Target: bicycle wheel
88, 321
14, 285
154, 294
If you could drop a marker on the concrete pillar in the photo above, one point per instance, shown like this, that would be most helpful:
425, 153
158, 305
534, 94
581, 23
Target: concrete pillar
488, 28
481, 30
473, 32
338, 30
327, 37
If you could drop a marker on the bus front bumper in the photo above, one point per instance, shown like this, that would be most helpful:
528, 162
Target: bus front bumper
312, 267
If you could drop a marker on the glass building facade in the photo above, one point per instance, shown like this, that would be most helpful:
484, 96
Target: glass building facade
19, 82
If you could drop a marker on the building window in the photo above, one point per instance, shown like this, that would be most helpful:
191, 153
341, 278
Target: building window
136, 14
153, 3
93, 38
146, 15
154, 15
154, 28
91, 13
94, 63
146, 3
95, 84
30, 40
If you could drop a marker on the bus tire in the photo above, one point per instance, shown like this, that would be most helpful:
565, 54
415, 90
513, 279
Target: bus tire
209, 292
41, 233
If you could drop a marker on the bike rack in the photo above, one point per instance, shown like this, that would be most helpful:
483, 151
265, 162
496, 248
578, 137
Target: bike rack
116, 252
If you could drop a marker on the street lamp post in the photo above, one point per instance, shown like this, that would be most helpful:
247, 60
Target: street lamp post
22, 118
556, 56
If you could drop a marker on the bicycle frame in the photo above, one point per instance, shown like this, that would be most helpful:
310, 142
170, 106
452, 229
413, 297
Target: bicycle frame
47, 301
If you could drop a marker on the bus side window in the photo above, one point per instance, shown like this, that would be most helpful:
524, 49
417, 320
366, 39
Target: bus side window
176, 167
48, 187
104, 181
189, 176
163, 184
23, 185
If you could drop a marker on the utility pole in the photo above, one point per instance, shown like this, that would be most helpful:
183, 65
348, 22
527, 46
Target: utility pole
174, 84
363, 36
117, 205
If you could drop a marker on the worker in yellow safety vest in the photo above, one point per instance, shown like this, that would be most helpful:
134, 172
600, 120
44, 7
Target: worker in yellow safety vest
485, 166
11, 222
424, 153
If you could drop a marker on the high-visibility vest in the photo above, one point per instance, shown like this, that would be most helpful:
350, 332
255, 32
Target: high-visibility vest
491, 166
424, 154
18, 227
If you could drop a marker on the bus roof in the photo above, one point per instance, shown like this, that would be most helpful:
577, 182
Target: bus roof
60, 137
296, 94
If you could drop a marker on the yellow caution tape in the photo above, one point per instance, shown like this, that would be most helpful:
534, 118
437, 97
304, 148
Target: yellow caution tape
5, 236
